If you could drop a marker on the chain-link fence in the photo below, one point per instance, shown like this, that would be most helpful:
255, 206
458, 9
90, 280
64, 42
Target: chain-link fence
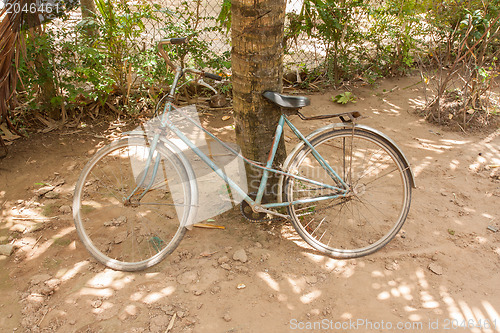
201, 16
113, 53
301, 50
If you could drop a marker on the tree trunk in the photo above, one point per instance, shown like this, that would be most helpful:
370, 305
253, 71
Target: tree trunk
88, 8
89, 11
257, 65
9, 37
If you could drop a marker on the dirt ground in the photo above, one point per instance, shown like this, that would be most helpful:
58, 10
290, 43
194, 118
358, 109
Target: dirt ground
442, 271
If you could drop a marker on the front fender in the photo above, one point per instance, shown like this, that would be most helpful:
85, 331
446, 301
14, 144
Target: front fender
330, 127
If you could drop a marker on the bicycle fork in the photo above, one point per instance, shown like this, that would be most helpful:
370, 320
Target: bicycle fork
139, 190
153, 144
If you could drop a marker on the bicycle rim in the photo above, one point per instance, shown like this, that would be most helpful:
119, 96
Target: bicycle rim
366, 220
138, 234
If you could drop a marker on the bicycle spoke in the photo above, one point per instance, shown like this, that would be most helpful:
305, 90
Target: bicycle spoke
381, 176
319, 240
352, 156
375, 207
135, 235
367, 222
376, 203
370, 169
319, 225
112, 192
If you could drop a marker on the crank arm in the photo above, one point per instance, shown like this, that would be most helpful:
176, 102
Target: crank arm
260, 209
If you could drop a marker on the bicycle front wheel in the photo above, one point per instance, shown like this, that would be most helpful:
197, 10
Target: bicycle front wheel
379, 193
127, 232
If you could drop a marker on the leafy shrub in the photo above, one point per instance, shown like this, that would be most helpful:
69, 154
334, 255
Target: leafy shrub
119, 59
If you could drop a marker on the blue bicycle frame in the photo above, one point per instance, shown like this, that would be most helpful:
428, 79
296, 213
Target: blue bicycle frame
341, 190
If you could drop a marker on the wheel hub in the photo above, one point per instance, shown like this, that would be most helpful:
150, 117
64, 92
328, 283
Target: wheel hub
359, 189
131, 202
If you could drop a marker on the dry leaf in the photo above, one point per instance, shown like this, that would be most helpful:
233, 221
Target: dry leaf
8, 136
226, 118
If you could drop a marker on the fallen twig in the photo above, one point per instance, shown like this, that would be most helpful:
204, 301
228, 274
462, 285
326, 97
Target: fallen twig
36, 242
171, 323
208, 226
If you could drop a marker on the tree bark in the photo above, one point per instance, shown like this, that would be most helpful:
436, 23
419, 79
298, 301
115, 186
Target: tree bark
88, 8
89, 11
9, 37
257, 65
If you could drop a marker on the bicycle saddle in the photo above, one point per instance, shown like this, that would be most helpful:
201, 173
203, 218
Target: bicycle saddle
287, 101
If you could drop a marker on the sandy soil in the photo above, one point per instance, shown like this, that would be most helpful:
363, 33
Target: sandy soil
440, 272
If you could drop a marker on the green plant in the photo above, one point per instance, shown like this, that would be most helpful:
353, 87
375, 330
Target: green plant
335, 23
37, 71
225, 88
66, 67
397, 31
466, 71
113, 61
89, 68
185, 21
225, 16
360, 37
344, 98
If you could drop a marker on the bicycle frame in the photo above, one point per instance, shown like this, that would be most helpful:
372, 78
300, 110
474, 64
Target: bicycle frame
341, 190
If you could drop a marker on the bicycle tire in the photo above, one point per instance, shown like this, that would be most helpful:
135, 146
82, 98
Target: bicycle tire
372, 215
131, 237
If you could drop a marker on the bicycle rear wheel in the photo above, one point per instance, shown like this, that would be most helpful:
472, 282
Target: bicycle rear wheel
136, 234
374, 211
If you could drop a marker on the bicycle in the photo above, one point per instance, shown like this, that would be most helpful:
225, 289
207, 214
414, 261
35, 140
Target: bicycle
346, 187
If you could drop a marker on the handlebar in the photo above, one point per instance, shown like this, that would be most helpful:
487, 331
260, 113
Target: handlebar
213, 76
178, 41
164, 42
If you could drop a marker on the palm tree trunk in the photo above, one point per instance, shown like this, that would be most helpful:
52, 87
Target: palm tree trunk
257, 66
9, 37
